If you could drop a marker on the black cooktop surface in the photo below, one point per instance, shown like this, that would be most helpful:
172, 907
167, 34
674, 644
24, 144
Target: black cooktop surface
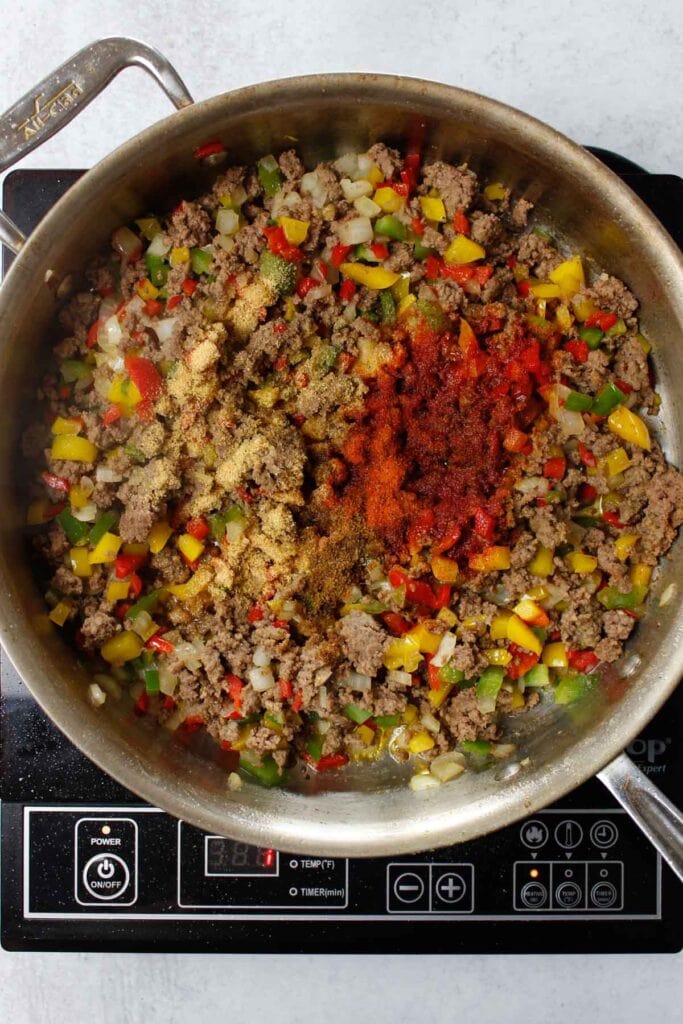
85, 865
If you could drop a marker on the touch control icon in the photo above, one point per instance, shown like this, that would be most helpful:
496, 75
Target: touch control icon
408, 887
106, 876
604, 834
534, 834
451, 887
568, 834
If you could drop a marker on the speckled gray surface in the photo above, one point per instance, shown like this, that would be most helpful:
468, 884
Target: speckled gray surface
607, 73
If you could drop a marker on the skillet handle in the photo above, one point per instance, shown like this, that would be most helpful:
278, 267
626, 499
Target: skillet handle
661, 822
55, 101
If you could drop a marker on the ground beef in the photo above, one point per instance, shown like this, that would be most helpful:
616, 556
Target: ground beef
457, 186
97, 628
363, 642
611, 294
465, 721
388, 160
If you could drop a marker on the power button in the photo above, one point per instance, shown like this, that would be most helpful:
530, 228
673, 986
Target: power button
106, 861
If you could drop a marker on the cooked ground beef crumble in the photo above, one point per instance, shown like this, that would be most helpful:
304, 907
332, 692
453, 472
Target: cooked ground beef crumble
348, 459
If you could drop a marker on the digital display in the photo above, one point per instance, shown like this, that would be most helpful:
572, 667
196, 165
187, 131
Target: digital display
227, 857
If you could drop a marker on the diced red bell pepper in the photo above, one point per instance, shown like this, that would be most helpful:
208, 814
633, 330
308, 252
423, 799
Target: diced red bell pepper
379, 250
461, 273
91, 339
433, 267
586, 455
555, 468
395, 623
587, 494
523, 287
484, 524
56, 483
613, 519
418, 226
198, 528
482, 275
208, 149
624, 386
297, 701
339, 254
158, 643
582, 661
461, 223
141, 706
125, 565
281, 624
173, 301
153, 307
449, 539
331, 761
168, 704
147, 380
278, 244
286, 689
579, 349
193, 723
347, 290
189, 286
515, 440
255, 613
442, 596
112, 414
135, 586
235, 687
521, 662
601, 319
304, 286
434, 676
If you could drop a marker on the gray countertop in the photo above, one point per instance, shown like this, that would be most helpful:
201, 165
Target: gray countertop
606, 74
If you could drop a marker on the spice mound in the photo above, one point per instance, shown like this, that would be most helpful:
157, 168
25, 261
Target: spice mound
344, 462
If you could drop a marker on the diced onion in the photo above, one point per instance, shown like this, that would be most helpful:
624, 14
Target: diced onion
106, 475
167, 681
318, 293
109, 684
260, 657
365, 165
159, 245
571, 422
233, 531
225, 242
357, 681
110, 334
349, 313
355, 231
502, 750
430, 723
424, 781
347, 164
355, 189
96, 695
448, 766
261, 679
312, 186
164, 328
667, 595
86, 514
107, 306
398, 678
188, 654
227, 222
367, 207
323, 697
444, 650
534, 485
142, 622
125, 242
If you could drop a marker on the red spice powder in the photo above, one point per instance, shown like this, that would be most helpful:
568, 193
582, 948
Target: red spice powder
426, 452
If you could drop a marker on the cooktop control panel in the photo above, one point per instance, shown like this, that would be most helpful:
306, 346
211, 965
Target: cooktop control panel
138, 863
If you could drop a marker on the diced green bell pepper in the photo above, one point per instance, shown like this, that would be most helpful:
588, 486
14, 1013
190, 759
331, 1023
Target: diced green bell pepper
269, 175
147, 603
357, 714
74, 529
574, 686
420, 251
74, 369
200, 261
265, 772
479, 747
151, 680
157, 270
272, 721
450, 675
280, 273
611, 598
488, 687
431, 312
576, 402
539, 675
365, 254
387, 307
102, 526
391, 227
314, 747
134, 453
608, 398
388, 721
592, 336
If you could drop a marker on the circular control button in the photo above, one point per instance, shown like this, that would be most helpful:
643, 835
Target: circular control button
604, 834
603, 895
408, 887
568, 834
106, 876
533, 895
534, 834
451, 887
568, 895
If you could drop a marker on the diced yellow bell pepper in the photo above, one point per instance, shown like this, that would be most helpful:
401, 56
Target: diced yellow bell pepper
420, 742
517, 696
295, 230
615, 462
564, 318
624, 545
365, 734
569, 277
545, 290
78, 496
409, 714
437, 697
124, 646
80, 563
36, 514
581, 563
426, 641
463, 250
60, 613
64, 426
290, 310
519, 633
71, 448
445, 569
629, 427
491, 559
401, 288
117, 590
372, 277
644, 343
641, 574
433, 208
496, 190
149, 226
555, 655
158, 536
529, 611
447, 616
374, 175
146, 289
498, 656
243, 738
194, 586
538, 593
404, 305
125, 393
134, 548
617, 329
180, 254
403, 653
499, 626
266, 396
106, 549
387, 199
542, 563
190, 547
583, 307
